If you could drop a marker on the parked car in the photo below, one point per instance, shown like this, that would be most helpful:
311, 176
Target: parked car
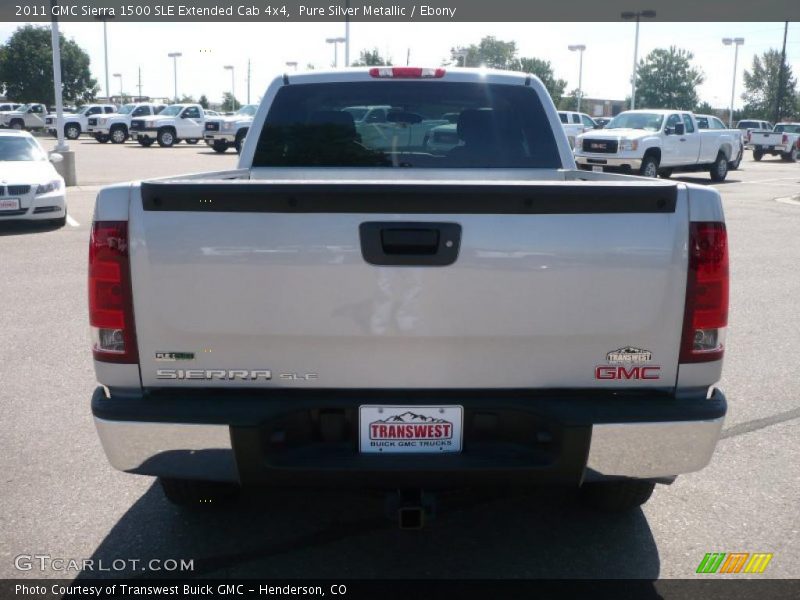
171, 125
748, 126
27, 116
576, 123
114, 126
334, 313
222, 133
658, 142
783, 141
77, 123
30, 187
715, 124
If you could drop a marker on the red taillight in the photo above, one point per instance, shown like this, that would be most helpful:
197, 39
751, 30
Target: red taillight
110, 294
749, 133
706, 313
785, 139
405, 72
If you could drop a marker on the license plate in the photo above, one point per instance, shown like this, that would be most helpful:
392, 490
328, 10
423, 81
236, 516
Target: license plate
597, 169
410, 429
9, 204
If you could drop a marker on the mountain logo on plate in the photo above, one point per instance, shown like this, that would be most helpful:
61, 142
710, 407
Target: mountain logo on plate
410, 426
629, 354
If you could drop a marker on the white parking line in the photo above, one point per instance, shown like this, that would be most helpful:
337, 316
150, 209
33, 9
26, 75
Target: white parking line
72, 222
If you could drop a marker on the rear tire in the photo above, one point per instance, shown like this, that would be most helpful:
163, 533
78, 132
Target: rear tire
239, 141
616, 496
198, 494
220, 146
665, 173
757, 155
719, 170
733, 166
649, 167
102, 138
118, 135
790, 156
18, 124
166, 138
192, 141
146, 142
72, 131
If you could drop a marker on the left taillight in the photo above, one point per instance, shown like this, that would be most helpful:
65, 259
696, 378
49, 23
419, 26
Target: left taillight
110, 294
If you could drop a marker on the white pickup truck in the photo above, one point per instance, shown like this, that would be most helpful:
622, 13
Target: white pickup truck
576, 123
77, 123
331, 313
222, 133
783, 141
171, 125
27, 116
658, 142
114, 127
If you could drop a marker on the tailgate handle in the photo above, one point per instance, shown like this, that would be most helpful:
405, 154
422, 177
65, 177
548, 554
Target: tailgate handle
395, 243
410, 241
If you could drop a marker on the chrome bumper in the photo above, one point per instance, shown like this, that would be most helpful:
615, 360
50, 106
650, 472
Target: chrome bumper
606, 161
182, 450
222, 137
651, 450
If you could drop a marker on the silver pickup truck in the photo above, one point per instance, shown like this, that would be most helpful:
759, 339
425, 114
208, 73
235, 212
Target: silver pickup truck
408, 317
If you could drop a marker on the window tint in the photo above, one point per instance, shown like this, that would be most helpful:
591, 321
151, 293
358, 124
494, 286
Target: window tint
717, 124
498, 126
108, 109
702, 123
576, 118
564, 117
191, 113
673, 120
687, 123
36, 108
94, 110
786, 127
587, 121
141, 111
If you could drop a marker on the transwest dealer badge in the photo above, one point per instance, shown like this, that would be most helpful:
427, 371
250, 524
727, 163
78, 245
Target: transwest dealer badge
410, 429
628, 363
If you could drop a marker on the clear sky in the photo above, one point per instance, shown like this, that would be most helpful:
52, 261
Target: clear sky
607, 64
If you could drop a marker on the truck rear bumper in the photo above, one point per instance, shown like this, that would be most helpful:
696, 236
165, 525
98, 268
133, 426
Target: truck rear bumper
310, 439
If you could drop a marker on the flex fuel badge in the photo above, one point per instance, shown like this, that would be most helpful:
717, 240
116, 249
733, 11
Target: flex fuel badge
628, 363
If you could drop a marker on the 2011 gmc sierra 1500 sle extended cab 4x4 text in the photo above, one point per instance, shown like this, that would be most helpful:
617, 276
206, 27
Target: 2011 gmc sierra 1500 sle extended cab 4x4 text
409, 317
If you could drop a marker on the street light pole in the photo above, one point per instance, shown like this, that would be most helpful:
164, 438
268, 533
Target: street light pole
347, 34
335, 41
736, 43
121, 94
233, 89
62, 145
579, 48
292, 63
628, 15
175, 56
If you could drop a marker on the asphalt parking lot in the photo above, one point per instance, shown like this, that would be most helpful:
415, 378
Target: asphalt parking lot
60, 497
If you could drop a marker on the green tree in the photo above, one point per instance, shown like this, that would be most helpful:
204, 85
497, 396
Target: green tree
229, 103
667, 79
489, 52
543, 70
498, 54
372, 58
187, 99
26, 68
704, 108
761, 88
203, 101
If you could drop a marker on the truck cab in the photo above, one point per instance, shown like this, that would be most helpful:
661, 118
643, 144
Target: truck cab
171, 125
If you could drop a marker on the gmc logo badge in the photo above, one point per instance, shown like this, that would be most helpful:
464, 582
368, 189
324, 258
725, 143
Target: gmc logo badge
626, 372
597, 146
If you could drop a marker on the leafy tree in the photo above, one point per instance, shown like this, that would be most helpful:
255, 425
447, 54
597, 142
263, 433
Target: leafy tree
372, 58
229, 103
543, 70
203, 101
497, 54
310, 67
704, 108
761, 88
667, 79
26, 68
489, 52
187, 99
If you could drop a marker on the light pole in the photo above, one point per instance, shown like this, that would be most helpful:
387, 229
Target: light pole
335, 41
121, 95
628, 15
105, 19
233, 89
292, 64
736, 43
579, 48
175, 56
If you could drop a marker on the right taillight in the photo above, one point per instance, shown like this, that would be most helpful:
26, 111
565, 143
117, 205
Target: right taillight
110, 294
706, 313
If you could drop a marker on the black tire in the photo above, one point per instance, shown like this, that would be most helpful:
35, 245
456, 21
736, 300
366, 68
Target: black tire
239, 141
198, 494
790, 156
616, 496
665, 173
166, 138
146, 142
192, 141
649, 166
118, 135
17, 124
103, 139
72, 131
719, 170
733, 166
757, 155
220, 146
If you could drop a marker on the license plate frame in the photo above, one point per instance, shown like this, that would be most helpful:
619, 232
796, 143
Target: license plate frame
9, 204
410, 429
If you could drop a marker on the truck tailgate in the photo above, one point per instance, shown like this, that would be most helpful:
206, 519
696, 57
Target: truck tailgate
553, 285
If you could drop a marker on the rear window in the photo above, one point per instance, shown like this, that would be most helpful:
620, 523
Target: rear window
787, 128
496, 126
